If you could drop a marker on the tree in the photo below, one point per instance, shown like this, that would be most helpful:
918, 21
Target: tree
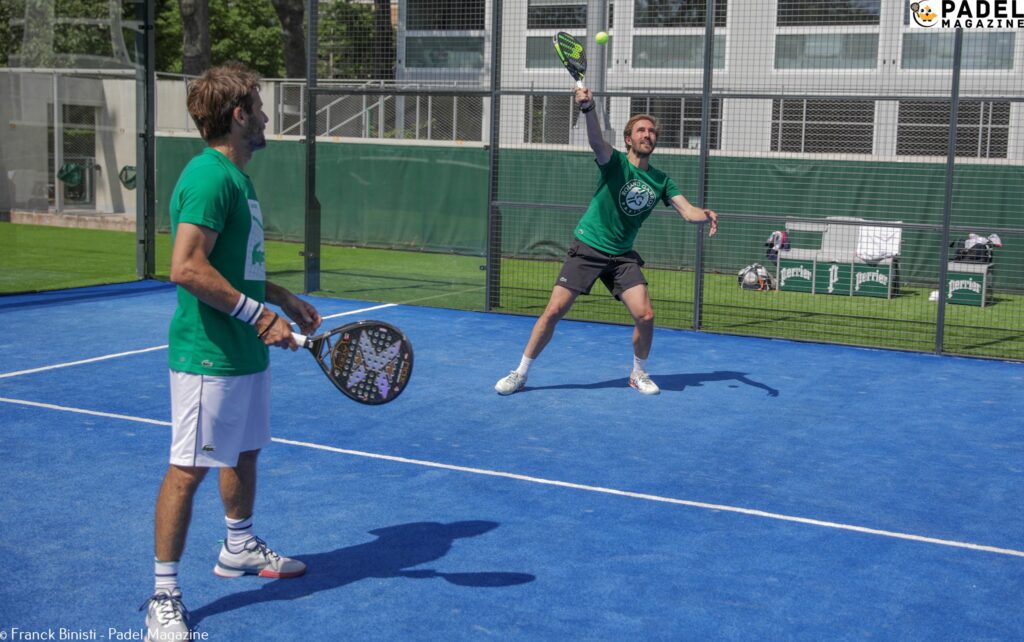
345, 36
6, 34
384, 41
293, 36
195, 18
248, 32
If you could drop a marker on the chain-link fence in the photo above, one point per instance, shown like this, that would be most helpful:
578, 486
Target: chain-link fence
827, 127
68, 95
450, 166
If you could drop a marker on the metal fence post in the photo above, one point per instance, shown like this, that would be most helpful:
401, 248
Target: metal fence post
492, 286
311, 245
702, 165
947, 204
145, 149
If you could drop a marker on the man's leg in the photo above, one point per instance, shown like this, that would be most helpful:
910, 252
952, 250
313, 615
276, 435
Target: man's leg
238, 486
243, 553
543, 329
638, 302
174, 510
166, 616
558, 306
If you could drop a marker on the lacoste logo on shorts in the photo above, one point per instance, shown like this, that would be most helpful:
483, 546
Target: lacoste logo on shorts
562, 279
208, 448
207, 363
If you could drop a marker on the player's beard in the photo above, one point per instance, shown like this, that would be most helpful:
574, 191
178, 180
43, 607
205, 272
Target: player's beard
641, 152
254, 133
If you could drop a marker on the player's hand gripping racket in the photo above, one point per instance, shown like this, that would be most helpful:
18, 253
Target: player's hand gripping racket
368, 361
570, 52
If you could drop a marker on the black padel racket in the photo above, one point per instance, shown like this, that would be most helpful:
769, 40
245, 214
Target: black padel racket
570, 52
369, 361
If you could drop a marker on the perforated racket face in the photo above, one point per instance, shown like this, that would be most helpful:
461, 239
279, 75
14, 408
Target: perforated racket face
570, 52
369, 361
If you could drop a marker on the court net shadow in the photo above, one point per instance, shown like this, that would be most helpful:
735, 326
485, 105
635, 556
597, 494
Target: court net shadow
394, 554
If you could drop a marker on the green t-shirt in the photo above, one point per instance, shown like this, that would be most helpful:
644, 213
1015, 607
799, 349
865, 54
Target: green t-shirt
214, 193
624, 198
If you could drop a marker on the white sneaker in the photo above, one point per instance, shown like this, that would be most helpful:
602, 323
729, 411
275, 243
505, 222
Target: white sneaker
513, 382
643, 384
166, 617
256, 558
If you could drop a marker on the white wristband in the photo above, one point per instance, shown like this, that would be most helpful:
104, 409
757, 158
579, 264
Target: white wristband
247, 310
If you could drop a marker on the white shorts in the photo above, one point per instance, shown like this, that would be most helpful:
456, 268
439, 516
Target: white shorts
216, 418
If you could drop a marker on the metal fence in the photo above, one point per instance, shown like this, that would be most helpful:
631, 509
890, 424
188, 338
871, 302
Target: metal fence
874, 143
881, 146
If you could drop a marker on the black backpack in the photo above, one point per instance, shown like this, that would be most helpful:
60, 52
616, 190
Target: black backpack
977, 253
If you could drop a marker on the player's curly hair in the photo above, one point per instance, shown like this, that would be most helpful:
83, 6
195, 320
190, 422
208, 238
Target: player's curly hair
213, 96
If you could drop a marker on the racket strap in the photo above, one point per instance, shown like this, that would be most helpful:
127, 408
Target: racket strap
269, 325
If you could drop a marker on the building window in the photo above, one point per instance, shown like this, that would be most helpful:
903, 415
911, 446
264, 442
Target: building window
445, 15
823, 126
548, 119
540, 53
982, 130
675, 52
676, 13
826, 51
679, 120
447, 52
561, 15
802, 13
925, 50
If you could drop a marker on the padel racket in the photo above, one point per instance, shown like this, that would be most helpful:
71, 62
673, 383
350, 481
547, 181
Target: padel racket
570, 52
369, 361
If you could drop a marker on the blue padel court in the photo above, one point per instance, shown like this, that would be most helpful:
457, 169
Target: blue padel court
774, 490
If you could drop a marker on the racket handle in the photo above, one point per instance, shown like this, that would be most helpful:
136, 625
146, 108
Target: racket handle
301, 339
579, 84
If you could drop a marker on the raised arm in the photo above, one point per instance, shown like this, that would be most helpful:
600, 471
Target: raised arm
695, 215
602, 150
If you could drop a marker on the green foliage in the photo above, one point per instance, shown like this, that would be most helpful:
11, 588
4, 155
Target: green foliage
168, 36
248, 32
346, 37
6, 34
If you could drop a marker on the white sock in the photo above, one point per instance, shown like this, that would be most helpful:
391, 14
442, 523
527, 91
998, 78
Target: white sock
166, 575
639, 365
239, 532
524, 365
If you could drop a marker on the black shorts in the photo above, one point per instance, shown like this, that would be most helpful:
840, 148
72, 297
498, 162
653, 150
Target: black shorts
585, 264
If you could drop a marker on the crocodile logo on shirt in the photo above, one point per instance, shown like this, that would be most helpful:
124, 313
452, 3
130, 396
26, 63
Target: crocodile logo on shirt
636, 198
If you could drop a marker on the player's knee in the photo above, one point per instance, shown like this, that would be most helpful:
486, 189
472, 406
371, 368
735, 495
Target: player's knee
646, 317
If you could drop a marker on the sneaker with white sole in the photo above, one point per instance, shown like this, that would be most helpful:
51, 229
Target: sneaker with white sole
513, 382
256, 558
641, 381
166, 616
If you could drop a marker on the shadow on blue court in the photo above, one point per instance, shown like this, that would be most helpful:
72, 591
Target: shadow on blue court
394, 554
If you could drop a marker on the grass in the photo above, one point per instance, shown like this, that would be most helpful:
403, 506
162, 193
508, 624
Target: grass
34, 258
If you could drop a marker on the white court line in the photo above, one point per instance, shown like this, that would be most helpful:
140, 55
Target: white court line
105, 357
78, 363
562, 484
